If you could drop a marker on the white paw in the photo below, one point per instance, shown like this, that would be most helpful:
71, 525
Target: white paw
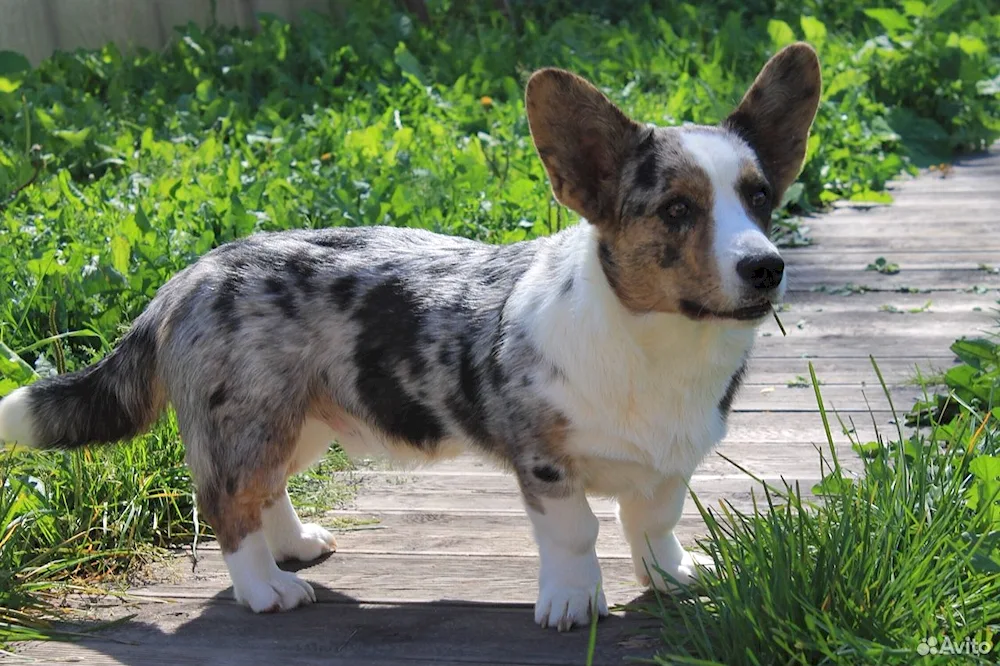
311, 542
280, 591
686, 572
567, 594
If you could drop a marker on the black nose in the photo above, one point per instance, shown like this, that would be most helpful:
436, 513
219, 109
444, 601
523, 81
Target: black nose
762, 272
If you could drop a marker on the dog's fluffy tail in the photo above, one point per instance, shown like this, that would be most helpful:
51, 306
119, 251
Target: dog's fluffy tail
117, 398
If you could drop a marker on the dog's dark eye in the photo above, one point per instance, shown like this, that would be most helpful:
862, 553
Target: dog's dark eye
677, 209
759, 198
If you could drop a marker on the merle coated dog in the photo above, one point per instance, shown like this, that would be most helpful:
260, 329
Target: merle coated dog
603, 359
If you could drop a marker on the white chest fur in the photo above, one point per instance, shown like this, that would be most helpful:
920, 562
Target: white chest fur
641, 392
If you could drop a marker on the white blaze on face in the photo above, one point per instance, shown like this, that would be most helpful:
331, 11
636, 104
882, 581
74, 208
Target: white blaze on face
736, 234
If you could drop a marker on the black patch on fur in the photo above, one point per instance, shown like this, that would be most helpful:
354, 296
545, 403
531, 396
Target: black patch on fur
567, 286
282, 296
669, 255
225, 303
342, 291
493, 273
343, 238
726, 404
303, 266
217, 397
467, 404
546, 473
608, 264
646, 174
444, 355
390, 318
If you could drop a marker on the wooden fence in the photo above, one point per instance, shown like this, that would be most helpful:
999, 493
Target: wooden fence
37, 28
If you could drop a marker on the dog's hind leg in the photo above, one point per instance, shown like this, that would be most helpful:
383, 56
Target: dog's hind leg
287, 536
240, 466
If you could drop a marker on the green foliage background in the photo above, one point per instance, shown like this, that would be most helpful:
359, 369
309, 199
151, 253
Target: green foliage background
152, 159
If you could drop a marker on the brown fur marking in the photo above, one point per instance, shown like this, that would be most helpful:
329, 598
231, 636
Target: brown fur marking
775, 115
582, 139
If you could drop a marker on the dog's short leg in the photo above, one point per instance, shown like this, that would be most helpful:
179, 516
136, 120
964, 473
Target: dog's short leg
569, 581
287, 536
233, 490
291, 539
257, 580
648, 523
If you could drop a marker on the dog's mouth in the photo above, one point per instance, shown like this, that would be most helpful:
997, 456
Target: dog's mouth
751, 312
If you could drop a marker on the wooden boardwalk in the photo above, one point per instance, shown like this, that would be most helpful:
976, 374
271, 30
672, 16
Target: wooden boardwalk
445, 573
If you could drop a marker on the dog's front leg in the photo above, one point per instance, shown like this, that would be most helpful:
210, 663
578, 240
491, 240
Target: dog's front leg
648, 523
569, 581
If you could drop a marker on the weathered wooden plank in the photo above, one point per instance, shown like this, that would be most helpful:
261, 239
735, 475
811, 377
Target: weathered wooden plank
800, 277
493, 493
820, 257
839, 298
791, 427
219, 633
855, 372
344, 578
864, 239
459, 533
766, 458
811, 343
888, 317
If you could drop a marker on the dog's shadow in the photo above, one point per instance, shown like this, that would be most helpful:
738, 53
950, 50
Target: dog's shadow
339, 629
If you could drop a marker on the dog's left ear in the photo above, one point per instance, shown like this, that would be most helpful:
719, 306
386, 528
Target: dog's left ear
582, 139
777, 112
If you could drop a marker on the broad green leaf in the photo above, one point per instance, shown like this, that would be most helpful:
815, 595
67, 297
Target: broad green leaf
9, 84
986, 488
849, 79
142, 221
939, 7
915, 8
871, 196
14, 368
972, 46
409, 64
521, 188
977, 352
792, 195
781, 33
813, 29
890, 19
812, 145
961, 376
12, 62
868, 449
120, 252
832, 484
74, 139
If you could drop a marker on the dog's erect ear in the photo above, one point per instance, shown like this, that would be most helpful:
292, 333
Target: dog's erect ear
777, 112
582, 138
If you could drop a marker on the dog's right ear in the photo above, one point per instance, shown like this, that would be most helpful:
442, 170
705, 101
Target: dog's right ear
582, 138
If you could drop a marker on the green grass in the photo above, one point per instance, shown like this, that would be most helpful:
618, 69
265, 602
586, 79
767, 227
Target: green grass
117, 170
909, 550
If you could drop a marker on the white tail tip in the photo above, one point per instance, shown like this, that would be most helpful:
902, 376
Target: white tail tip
15, 419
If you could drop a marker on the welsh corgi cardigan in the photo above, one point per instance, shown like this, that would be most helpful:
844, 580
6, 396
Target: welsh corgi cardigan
602, 359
